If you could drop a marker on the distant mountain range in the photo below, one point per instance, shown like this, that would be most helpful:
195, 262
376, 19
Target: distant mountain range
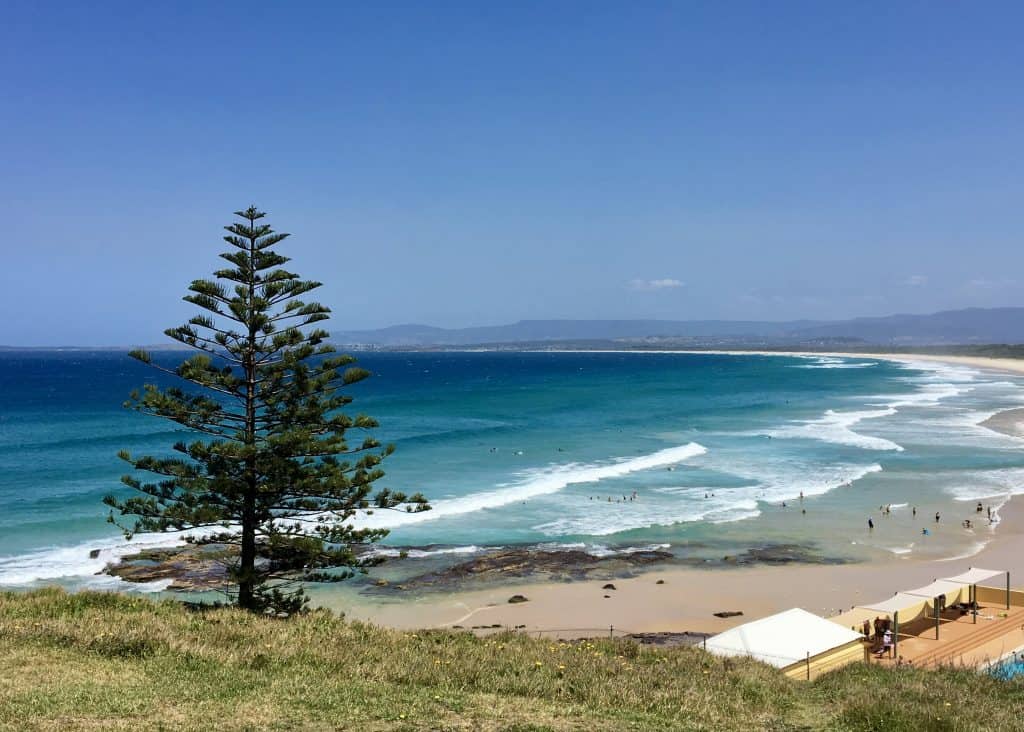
970, 327
951, 327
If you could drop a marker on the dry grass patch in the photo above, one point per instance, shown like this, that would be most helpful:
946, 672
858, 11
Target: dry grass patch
92, 660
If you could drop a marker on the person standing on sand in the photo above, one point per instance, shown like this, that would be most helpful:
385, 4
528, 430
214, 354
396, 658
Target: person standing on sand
936, 517
871, 524
914, 511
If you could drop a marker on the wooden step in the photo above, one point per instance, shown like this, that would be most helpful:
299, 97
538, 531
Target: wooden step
951, 652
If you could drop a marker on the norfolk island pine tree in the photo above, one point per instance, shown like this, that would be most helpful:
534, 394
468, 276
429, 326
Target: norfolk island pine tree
270, 471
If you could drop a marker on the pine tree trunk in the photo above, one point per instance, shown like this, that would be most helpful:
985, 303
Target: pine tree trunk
246, 580
248, 559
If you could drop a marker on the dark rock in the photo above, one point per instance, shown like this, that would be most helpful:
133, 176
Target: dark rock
608, 586
516, 599
780, 554
524, 562
660, 582
93, 554
192, 568
728, 613
669, 639
607, 596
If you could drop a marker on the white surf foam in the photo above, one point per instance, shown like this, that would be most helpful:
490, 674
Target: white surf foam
600, 550
605, 519
770, 484
972, 550
74, 562
899, 550
380, 551
979, 485
534, 483
836, 427
830, 362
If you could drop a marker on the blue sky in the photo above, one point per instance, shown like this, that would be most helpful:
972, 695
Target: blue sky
481, 163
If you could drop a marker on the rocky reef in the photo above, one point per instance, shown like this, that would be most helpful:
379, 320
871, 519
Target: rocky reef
194, 568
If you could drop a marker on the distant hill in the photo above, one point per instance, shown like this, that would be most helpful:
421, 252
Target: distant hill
567, 330
973, 325
970, 326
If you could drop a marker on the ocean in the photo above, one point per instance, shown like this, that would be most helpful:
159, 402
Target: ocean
700, 454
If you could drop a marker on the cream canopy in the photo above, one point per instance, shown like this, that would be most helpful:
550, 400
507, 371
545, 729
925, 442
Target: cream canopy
974, 575
938, 587
900, 602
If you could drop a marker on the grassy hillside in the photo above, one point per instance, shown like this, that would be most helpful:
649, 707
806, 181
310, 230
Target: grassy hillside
104, 661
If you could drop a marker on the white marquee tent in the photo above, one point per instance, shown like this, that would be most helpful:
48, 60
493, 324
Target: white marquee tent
782, 639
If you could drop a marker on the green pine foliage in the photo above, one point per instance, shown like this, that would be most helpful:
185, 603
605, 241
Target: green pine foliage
271, 471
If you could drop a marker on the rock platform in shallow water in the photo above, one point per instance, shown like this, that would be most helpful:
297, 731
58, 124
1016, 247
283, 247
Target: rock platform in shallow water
203, 568
190, 568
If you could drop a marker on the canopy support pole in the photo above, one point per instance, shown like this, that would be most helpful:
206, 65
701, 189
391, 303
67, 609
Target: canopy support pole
935, 607
1007, 590
895, 634
972, 597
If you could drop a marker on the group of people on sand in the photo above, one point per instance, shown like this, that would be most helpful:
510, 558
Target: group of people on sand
966, 523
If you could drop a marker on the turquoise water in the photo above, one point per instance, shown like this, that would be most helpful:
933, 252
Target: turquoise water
1010, 668
516, 448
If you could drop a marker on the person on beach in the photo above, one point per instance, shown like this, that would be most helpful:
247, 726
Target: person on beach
936, 517
871, 524
914, 512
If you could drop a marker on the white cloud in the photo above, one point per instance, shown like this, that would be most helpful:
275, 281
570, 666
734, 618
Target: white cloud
649, 285
916, 280
983, 284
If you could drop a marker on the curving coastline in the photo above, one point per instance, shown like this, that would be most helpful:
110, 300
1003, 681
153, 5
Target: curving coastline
686, 599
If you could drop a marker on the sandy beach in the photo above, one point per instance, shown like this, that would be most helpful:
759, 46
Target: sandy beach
685, 599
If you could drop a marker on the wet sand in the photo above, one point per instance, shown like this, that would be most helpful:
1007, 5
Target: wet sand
1009, 422
688, 598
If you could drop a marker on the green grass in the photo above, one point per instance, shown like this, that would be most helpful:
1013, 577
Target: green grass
105, 661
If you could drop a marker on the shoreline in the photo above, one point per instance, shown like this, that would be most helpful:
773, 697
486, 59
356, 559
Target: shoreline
685, 599
988, 363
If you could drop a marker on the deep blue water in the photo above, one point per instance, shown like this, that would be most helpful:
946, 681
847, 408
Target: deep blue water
514, 447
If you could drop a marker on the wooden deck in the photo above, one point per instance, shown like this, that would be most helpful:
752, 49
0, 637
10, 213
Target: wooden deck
961, 641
